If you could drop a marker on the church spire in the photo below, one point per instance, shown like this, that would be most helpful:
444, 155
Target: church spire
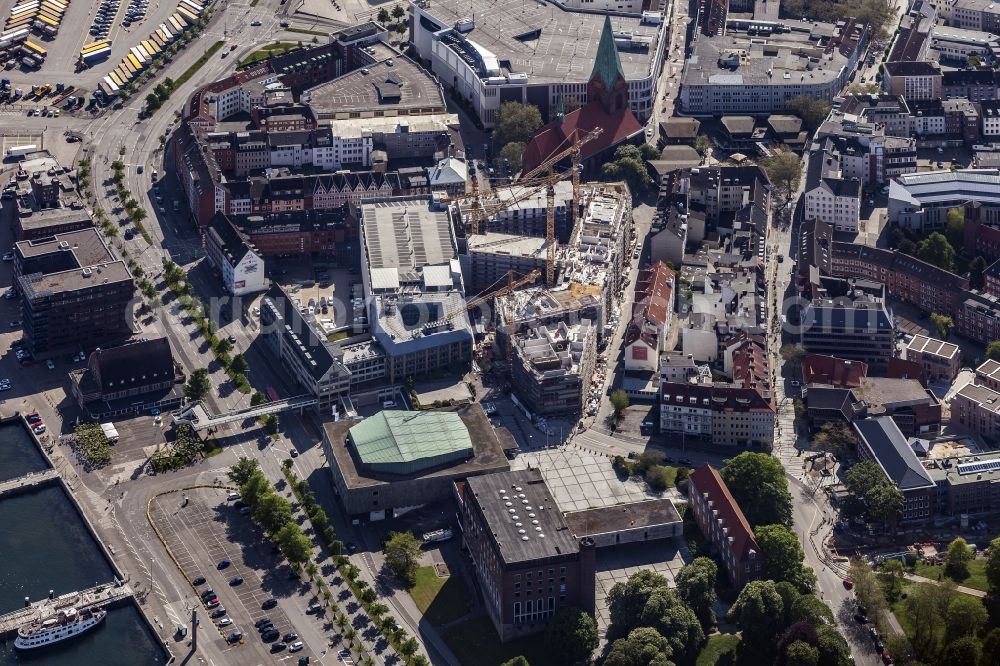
607, 64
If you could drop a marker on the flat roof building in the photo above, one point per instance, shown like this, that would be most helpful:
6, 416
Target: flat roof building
940, 360
552, 366
75, 292
526, 559
500, 50
400, 460
410, 268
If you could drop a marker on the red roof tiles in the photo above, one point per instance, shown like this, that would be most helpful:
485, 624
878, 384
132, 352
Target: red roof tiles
707, 480
822, 369
556, 136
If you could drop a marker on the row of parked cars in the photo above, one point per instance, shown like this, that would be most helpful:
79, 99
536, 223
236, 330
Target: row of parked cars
104, 18
136, 12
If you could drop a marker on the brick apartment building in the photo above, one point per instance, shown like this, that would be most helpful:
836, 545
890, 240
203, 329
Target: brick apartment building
526, 560
724, 526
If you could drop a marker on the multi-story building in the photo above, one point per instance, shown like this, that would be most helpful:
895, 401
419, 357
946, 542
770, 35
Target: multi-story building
880, 439
912, 80
921, 201
914, 408
724, 526
858, 329
940, 360
829, 197
970, 14
976, 85
552, 366
754, 66
411, 270
75, 292
302, 350
526, 560
976, 407
129, 379
652, 312
966, 485
978, 317
721, 192
45, 199
990, 120
988, 374
479, 50
241, 267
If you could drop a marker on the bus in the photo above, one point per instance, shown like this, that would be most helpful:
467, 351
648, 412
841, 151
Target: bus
272, 395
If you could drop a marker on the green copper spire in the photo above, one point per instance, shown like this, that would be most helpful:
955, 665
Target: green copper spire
607, 64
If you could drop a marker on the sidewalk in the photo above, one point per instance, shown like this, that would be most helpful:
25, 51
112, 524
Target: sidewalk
964, 590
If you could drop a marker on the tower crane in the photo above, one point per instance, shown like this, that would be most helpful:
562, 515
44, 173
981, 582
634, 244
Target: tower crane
528, 184
474, 303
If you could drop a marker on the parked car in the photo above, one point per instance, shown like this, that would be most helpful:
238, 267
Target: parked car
200, 580
225, 622
235, 580
218, 612
223, 564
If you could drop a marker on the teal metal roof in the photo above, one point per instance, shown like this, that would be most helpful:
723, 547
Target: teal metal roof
401, 437
607, 64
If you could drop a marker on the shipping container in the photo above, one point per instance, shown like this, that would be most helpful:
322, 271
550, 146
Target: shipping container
188, 15
96, 55
177, 23
192, 7
34, 48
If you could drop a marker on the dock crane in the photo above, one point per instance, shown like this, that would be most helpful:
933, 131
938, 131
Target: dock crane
528, 184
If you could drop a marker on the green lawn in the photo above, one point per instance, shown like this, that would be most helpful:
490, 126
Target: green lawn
718, 645
903, 615
198, 64
441, 600
267, 51
475, 641
976, 579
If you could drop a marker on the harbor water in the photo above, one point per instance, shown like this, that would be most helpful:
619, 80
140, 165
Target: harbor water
46, 545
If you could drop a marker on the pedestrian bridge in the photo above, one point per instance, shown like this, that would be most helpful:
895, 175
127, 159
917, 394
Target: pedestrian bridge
198, 417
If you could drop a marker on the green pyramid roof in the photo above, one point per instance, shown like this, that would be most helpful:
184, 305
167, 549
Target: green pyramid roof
607, 64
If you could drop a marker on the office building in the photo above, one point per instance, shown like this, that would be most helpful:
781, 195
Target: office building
527, 562
940, 360
880, 440
75, 292
234, 258
859, 329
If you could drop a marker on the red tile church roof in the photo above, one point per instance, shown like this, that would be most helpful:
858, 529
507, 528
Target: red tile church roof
618, 127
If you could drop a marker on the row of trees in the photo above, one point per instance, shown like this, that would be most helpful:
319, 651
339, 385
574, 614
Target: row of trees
235, 366
271, 511
873, 495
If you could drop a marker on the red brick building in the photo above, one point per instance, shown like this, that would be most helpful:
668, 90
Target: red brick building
525, 558
724, 526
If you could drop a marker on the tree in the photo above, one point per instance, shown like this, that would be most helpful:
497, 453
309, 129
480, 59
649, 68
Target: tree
757, 611
198, 385
789, 595
512, 154
272, 512
398, 12
516, 661
942, 324
626, 600
758, 484
966, 616
977, 267
812, 111
891, 576
866, 587
644, 646
833, 649
868, 483
223, 346
239, 363
927, 606
257, 398
383, 16
665, 612
963, 651
409, 647
696, 587
648, 152
570, 636
954, 228
808, 608
702, 144
628, 165
402, 550
784, 171
619, 400
516, 122
991, 649
792, 353
782, 556
935, 249
801, 653
993, 350
242, 470
993, 565
837, 437
956, 563
294, 545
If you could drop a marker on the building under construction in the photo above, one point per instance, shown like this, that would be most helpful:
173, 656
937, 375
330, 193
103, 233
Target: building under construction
552, 366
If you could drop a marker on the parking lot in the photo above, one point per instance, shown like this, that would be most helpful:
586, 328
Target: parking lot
201, 535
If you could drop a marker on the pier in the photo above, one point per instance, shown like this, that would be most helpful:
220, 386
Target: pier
103, 595
27, 481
